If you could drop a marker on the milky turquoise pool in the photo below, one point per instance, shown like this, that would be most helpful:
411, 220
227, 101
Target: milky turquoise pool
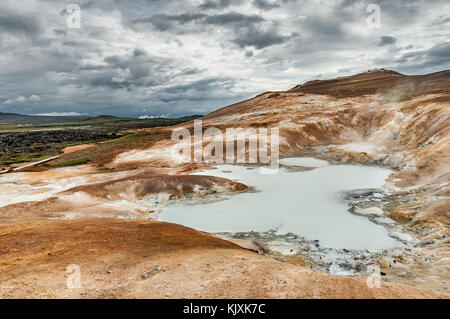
305, 203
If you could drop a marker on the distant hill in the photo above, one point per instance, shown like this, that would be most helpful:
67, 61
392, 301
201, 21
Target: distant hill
393, 86
14, 118
377, 81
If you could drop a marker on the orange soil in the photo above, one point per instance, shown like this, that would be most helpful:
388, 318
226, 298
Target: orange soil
114, 254
71, 149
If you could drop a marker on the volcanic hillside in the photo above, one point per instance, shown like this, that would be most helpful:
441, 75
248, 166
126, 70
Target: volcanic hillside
106, 209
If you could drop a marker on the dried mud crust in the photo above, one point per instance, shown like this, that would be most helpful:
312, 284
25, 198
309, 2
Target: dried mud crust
141, 196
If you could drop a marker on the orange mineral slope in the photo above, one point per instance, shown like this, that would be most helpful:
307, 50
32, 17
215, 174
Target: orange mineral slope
144, 259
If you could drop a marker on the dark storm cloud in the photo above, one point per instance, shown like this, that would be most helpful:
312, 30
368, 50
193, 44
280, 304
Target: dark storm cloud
20, 24
427, 60
385, 40
182, 57
247, 30
137, 69
257, 37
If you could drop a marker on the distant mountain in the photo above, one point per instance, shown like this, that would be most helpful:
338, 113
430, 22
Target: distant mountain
14, 118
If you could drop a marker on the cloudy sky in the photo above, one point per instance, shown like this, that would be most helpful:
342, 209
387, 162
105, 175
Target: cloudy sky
174, 57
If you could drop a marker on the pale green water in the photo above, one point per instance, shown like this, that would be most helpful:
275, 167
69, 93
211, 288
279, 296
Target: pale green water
303, 203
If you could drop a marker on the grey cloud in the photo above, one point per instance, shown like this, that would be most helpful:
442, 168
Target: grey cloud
200, 90
217, 4
440, 51
179, 57
246, 30
440, 22
164, 22
434, 59
438, 54
265, 5
105, 80
135, 69
20, 24
201, 85
320, 26
385, 40
258, 37
87, 4
232, 18
83, 6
